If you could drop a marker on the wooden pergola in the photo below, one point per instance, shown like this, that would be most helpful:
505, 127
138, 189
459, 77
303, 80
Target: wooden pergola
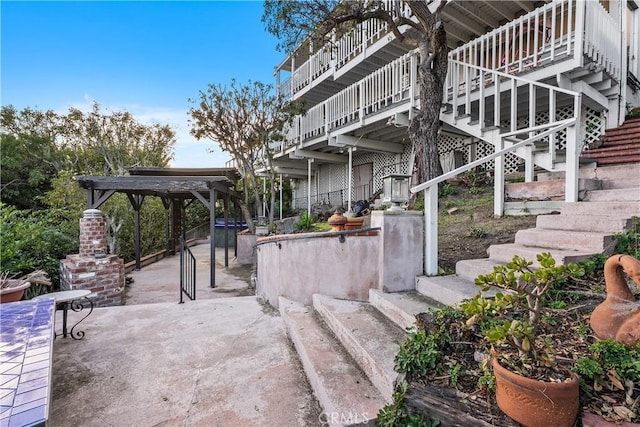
177, 188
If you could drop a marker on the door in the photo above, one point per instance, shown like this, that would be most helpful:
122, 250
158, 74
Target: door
362, 177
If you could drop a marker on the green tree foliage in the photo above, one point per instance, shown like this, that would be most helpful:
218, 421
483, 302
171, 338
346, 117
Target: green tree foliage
96, 142
27, 167
33, 240
40, 154
300, 23
107, 144
243, 119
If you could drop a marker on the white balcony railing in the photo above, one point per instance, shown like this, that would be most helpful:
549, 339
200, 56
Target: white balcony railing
602, 40
541, 36
552, 32
546, 35
389, 85
345, 49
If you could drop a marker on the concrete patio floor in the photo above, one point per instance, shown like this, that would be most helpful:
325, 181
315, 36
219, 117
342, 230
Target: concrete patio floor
216, 361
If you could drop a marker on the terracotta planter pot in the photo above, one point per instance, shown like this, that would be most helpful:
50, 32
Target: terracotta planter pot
354, 223
14, 290
535, 403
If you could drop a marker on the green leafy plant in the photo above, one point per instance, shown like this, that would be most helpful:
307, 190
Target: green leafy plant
477, 232
612, 367
420, 353
525, 288
305, 223
395, 414
629, 241
448, 190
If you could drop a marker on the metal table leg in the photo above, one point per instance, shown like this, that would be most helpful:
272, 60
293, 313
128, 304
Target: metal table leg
78, 305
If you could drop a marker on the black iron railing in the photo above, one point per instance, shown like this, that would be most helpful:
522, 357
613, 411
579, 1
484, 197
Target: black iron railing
187, 272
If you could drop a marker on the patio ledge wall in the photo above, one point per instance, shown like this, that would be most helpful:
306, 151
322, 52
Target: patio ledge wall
342, 265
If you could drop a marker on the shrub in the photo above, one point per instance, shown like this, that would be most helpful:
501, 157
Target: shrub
305, 223
36, 240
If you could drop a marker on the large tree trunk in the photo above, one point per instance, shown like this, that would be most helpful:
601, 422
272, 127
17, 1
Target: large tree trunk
425, 125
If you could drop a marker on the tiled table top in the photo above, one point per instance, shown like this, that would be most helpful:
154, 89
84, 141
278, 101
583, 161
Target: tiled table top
26, 343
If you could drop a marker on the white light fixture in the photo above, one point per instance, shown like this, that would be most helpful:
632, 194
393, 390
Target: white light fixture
395, 190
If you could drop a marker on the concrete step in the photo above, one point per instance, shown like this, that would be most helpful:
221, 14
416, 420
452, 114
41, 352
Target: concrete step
618, 195
570, 240
612, 176
621, 209
532, 207
401, 307
621, 183
372, 340
596, 223
340, 387
448, 290
469, 269
504, 253
546, 190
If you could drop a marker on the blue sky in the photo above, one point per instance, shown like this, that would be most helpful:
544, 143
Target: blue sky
145, 57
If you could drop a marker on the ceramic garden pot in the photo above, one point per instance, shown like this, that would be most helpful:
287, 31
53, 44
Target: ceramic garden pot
13, 289
535, 403
354, 223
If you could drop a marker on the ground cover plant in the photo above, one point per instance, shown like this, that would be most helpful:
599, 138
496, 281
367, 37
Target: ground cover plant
450, 349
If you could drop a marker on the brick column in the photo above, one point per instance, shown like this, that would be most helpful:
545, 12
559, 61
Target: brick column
93, 233
92, 268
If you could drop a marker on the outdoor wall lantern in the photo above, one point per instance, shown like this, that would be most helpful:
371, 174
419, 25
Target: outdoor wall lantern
395, 191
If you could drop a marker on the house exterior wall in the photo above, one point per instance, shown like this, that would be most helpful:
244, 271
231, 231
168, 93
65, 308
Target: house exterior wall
561, 54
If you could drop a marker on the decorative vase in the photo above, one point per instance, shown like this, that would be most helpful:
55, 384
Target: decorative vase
337, 221
618, 317
12, 290
535, 403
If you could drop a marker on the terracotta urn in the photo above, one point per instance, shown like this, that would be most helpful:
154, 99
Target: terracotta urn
535, 403
12, 290
337, 221
618, 317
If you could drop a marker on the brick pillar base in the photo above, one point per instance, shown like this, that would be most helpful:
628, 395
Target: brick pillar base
102, 276
92, 270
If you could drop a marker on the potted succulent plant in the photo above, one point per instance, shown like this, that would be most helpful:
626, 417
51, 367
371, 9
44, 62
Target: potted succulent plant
531, 386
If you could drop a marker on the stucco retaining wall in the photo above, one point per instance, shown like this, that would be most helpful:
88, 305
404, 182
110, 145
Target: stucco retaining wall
302, 265
401, 248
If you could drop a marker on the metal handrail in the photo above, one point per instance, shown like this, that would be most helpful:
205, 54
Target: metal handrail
187, 272
557, 126
318, 235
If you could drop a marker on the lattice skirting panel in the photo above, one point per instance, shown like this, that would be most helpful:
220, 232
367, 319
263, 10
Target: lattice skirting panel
454, 151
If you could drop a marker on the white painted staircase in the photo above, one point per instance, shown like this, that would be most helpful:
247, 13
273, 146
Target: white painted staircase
579, 231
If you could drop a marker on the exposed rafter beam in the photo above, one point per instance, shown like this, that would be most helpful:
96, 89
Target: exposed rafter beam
327, 157
462, 20
295, 164
505, 14
471, 8
456, 35
366, 144
524, 5
289, 172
